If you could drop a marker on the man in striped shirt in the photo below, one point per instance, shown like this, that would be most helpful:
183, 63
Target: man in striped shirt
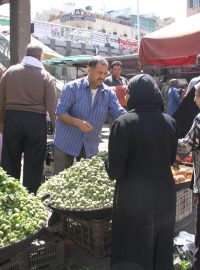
81, 112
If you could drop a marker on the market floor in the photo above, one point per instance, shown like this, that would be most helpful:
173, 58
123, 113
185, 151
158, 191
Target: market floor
78, 258
103, 146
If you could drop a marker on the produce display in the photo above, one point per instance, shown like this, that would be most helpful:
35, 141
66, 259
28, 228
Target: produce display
21, 213
182, 260
81, 187
188, 159
181, 174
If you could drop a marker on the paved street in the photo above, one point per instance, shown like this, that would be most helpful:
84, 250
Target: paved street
103, 146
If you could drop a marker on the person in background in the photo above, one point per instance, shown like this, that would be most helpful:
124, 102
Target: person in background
173, 97
81, 112
182, 93
27, 93
191, 143
192, 83
117, 82
142, 147
164, 91
186, 113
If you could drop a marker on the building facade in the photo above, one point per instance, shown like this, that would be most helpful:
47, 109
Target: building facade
193, 7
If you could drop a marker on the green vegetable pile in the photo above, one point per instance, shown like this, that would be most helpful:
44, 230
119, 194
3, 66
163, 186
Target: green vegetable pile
183, 265
83, 186
21, 213
181, 260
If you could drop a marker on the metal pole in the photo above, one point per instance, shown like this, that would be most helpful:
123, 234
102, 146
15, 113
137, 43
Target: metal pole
20, 29
138, 23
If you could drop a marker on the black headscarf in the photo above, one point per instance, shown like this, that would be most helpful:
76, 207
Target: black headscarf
144, 93
186, 113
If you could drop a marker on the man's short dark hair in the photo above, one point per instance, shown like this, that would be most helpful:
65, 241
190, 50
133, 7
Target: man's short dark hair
116, 63
97, 60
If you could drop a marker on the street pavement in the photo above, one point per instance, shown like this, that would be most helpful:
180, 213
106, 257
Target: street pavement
103, 146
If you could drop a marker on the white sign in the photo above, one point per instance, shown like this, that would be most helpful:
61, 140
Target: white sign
42, 30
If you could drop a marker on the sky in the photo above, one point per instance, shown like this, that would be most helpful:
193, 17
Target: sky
160, 8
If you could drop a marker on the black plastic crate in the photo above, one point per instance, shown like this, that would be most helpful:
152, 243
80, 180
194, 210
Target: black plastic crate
183, 203
17, 262
46, 253
93, 235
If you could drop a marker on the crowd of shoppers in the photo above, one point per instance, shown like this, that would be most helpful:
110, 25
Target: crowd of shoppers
144, 204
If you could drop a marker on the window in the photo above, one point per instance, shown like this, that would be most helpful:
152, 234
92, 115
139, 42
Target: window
194, 3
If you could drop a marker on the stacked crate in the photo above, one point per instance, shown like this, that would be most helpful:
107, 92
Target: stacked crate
45, 253
93, 235
183, 203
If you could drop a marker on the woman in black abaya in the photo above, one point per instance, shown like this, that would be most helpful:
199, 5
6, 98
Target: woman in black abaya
142, 146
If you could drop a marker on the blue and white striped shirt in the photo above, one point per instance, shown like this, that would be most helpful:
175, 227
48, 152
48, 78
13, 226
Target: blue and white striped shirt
76, 100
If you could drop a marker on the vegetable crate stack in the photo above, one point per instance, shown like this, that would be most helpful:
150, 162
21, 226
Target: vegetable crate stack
182, 175
14, 263
183, 203
23, 219
83, 194
46, 252
93, 235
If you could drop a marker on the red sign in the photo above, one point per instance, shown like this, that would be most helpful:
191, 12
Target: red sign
131, 46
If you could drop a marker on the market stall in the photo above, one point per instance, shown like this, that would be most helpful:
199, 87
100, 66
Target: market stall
83, 195
129, 63
173, 45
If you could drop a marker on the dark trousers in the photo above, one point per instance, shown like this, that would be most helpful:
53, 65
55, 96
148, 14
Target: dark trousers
196, 264
24, 132
63, 160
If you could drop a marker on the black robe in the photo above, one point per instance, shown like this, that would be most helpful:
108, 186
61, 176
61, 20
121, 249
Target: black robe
186, 113
142, 146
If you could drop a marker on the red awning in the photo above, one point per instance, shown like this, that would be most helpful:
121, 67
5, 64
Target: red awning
174, 45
